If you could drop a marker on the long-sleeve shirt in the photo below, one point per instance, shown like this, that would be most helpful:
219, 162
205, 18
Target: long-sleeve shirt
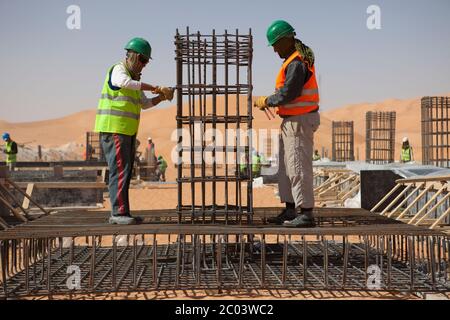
296, 76
121, 79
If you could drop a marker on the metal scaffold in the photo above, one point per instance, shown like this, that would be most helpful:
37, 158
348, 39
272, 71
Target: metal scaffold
380, 137
214, 143
342, 141
435, 131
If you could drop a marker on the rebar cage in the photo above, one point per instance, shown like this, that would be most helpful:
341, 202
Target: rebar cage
214, 122
94, 151
350, 250
342, 141
435, 131
380, 137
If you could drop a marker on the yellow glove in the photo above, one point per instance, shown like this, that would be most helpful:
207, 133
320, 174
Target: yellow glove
261, 103
162, 97
166, 92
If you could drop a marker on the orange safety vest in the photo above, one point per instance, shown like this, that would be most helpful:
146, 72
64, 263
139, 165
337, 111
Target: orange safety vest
307, 100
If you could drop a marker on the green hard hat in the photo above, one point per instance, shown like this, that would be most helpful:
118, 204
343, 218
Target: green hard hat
277, 30
141, 46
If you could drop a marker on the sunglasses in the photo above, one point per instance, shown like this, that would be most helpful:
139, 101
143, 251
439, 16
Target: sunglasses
143, 59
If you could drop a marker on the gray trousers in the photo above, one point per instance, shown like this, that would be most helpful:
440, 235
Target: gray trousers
295, 171
120, 151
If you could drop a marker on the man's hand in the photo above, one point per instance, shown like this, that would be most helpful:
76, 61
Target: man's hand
167, 93
261, 103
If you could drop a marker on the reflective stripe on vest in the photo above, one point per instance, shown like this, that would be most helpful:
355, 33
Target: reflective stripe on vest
118, 110
120, 98
118, 113
10, 158
308, 100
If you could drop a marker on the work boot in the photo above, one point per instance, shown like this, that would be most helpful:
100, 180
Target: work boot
123, 220
286, 214
304, 220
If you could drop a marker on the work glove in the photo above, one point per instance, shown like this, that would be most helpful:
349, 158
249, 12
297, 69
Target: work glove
166, 92
261, 103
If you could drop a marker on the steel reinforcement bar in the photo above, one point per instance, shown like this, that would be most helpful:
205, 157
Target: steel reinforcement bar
166, 257
212, 67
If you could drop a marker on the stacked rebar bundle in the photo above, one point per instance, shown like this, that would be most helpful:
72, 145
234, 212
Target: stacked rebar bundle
342, 141
380, 137
435, 131
209, 68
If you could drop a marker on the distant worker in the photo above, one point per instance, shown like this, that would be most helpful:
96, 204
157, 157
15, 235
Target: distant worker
297, 99
117, 120
257, 161
162, 166
316, 156
407, 151
150, 156
10, 150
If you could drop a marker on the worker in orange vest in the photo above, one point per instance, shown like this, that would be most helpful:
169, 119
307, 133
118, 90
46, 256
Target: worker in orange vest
297, 100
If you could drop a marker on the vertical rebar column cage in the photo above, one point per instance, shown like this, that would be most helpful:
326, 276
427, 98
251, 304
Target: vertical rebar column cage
380, 137
94, 151
342, 141
214, 122
435, 131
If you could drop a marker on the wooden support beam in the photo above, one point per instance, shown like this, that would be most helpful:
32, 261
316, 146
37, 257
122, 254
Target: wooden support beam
27, 196
429, 202
385, 197
406, 199
63, 185
29, 191
420, 196
440, 202
401, 194
440, 219
424, 179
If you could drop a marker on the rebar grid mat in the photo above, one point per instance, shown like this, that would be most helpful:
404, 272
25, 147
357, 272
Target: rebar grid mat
380, 137
435, 131
342, 148
350, 250
164, 262
210, 67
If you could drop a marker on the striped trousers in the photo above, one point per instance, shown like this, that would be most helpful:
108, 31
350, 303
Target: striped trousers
119, 152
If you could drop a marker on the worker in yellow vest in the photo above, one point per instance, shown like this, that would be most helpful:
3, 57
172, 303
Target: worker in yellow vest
117, 121
406, 154
316, 155
297, 100
10, 150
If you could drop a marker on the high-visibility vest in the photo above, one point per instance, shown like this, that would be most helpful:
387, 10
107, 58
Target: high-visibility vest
162, 165
406, 154
10, 158
307, 100
256, 164
119, 109
316, 157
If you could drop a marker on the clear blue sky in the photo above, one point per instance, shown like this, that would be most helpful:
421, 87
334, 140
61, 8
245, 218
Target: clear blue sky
49, 71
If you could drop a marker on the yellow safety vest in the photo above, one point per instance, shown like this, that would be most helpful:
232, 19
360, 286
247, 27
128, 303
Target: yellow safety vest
406, 154
119, 109
10, 158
